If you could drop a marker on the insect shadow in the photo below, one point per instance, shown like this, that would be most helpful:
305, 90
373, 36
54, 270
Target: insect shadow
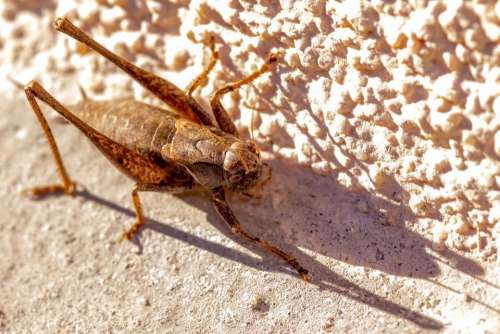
322, 215
323, 277
354, 226
299, 209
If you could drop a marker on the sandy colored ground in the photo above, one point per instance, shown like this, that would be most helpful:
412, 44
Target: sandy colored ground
400, 233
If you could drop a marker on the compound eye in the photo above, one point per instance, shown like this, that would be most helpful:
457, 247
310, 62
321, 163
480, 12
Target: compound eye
235, 178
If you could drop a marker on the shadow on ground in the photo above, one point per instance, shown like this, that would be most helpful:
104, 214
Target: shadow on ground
299, 209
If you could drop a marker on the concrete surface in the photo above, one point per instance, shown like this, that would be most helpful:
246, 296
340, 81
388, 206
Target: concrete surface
63, 271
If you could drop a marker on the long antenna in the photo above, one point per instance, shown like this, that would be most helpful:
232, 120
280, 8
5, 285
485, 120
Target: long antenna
251, 125
15, 82
82, 92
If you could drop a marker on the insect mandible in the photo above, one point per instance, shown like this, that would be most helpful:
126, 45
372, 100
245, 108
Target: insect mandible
158, 149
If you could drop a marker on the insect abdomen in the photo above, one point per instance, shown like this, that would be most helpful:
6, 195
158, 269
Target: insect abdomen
136, 125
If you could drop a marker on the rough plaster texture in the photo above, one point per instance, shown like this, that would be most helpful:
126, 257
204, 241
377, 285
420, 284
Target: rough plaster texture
396, 104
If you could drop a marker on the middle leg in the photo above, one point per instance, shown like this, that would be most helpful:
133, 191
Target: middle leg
132, 231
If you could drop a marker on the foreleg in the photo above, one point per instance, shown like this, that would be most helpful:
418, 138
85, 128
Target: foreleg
223, 119
129, 235
67, 185
198, 81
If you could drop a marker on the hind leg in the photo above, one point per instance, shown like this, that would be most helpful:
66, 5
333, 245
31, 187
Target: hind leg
173, 189
162, 88
67, 185
148, 175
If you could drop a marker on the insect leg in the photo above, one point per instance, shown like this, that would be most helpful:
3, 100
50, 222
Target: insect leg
138, 214
227, 214
129, 235
162, 88
203, 75
223, 119
136, 166
68, 186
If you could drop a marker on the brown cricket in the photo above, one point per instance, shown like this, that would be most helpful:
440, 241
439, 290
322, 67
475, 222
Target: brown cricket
164, 150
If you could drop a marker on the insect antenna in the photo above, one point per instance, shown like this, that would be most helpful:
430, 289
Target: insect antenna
83, 94
252, 119
15, 82
252, 137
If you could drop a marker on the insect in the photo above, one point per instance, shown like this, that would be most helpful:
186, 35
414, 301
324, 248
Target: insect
164, 150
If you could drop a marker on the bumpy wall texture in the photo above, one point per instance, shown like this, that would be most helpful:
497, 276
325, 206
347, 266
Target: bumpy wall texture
399, 98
